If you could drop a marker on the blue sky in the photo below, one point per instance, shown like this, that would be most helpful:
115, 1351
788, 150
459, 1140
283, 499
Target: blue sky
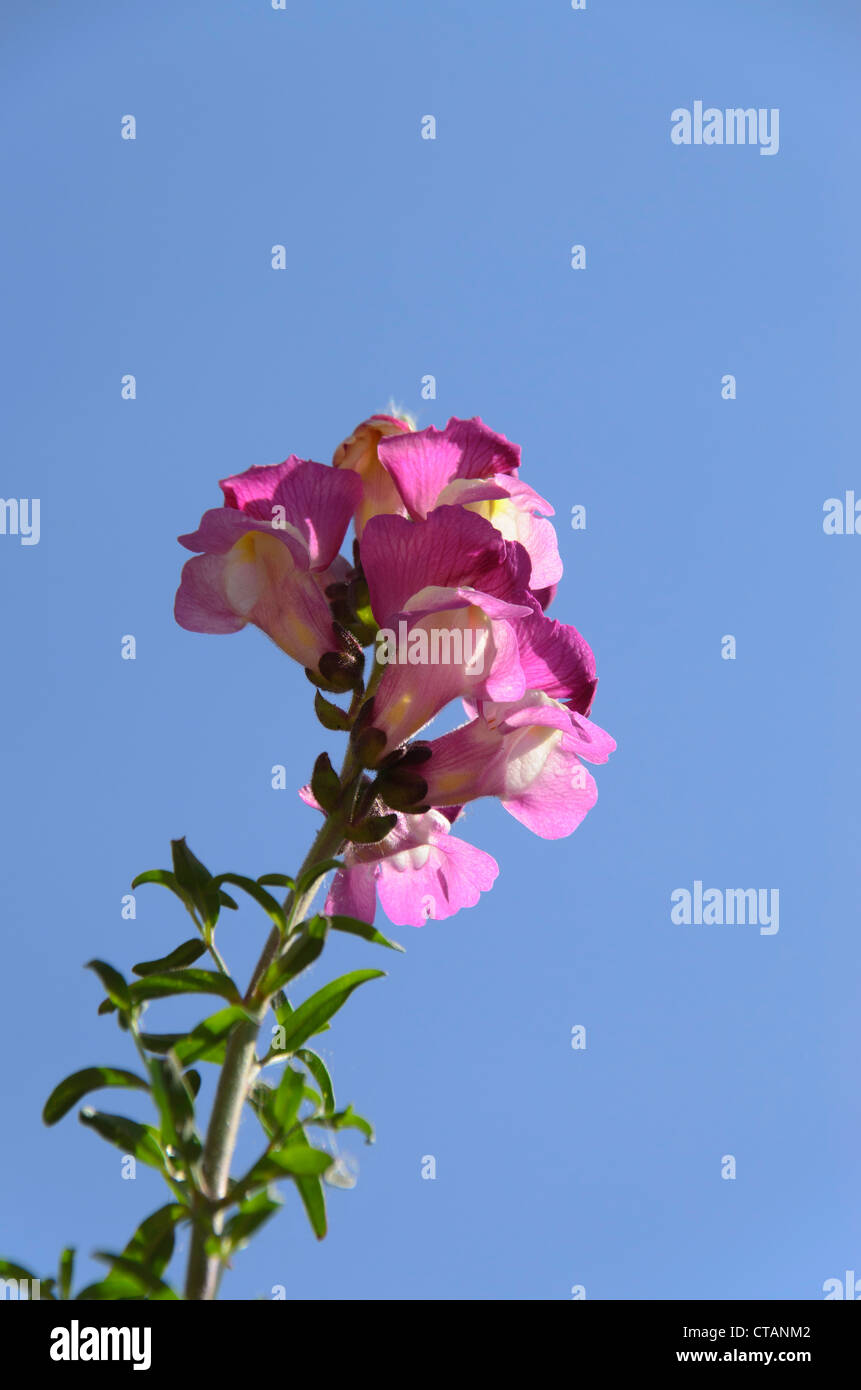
451, 257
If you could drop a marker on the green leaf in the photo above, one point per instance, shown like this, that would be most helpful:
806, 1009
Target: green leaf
66, 1271
265, 900
318, 1069
252, 1214
9, 1270
185, 982
161, 1042
313, 1197
152, 1243
114, 985
175, 1101
226, 900
310, 1016
281, 1006
197, 881
116, 1288
304, 949
141, 1141
80, 1083
287, 1097
207, 1042
185, 954
330, 715
276, 881
296, 1161
371, 831
167, 880
347, 1119
363, 929
135, 1273
310, 876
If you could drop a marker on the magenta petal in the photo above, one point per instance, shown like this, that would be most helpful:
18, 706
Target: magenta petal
254, 490
544, 597
557, 660
424, 462
320, 502
305, 504
452, 548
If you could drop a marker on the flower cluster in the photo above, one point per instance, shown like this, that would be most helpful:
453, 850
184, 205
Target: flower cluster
459, 558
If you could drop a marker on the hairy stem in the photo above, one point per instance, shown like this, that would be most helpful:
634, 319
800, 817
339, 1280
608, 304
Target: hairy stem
204, 1270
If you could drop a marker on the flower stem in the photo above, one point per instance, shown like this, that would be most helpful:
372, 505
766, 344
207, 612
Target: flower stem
240, 1062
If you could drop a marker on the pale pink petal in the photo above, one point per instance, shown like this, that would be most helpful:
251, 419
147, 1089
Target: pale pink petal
353, 893
555, 802
440, 655
201, 604
453, 876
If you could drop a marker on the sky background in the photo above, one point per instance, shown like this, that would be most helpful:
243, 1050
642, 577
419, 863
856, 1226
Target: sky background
451, 257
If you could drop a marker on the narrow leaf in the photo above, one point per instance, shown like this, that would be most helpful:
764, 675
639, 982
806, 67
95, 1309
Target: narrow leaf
185, 982
265, 900
276, 881
310, 876
207, 1042
185, 954
114, 985
65, 1272
310, 1016
303, 951
149, 1283
320, 1072
287, 1098
197, 881
363, 929
141, 1141
80, 1083
167, 880
297, 1160
252, 1214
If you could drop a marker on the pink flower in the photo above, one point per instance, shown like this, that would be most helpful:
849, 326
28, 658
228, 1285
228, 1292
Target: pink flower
268, 555
419, 871
449, 577
359, 453
528, 754
469, 465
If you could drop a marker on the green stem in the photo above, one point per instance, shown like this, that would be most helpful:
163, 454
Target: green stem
240, 1065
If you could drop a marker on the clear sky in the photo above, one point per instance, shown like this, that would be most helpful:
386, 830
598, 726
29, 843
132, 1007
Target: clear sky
408, 257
